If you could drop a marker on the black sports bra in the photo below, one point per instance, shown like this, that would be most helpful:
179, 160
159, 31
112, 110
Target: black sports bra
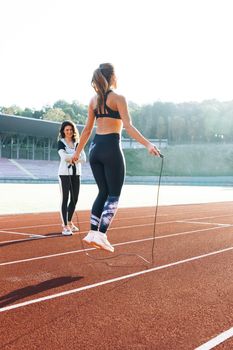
108, 112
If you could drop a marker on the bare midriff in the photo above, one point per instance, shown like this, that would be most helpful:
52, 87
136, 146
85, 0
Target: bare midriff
108, 126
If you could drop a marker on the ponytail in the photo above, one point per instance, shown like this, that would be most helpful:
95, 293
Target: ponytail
101, 81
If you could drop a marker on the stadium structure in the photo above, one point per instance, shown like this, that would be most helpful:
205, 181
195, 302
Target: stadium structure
28, 138
28, 150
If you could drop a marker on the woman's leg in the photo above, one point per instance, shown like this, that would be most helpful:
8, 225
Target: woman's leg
98, 205
107, 163
114, 175
74, 192
64, 186
97, 208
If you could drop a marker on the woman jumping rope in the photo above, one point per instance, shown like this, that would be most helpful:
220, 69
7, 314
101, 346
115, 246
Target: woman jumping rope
107, 162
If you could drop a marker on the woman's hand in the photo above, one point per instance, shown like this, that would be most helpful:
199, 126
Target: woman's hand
152, 149
75, 157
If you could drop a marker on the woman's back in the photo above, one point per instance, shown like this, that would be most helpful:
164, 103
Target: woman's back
107, 116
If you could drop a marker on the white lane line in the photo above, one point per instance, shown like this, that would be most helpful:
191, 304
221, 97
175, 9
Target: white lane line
34, 226
21, 233
83, 222
15, 240
98, 284
45, 257
56, 235
216, 341
80, 222
113, 228
117, 244
27, 172
11, 217
210, 217
204, 223
32, 238
152, 224
132, 218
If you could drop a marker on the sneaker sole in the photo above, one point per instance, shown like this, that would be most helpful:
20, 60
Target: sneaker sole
104, 247
91, 244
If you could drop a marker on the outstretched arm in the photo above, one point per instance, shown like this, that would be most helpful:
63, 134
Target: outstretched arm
131, 130
86, 133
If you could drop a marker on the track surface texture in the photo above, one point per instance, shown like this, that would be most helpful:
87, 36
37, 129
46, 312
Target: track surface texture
57, 293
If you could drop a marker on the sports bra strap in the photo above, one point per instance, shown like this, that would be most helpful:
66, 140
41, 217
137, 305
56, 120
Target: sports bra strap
105, 99
108, 112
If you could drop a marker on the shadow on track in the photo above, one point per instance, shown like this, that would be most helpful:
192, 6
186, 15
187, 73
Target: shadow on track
25, 292
50, 235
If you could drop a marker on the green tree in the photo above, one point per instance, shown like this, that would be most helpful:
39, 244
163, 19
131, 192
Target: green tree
27, 113
12, 110
56, 114
38, 114
80, 111
60, 104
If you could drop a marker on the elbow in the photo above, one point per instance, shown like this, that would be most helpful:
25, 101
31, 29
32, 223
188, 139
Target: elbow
128, 128
87, 130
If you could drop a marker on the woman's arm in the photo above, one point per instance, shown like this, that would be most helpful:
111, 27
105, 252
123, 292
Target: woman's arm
62, 152
65, 156
130, 129
82, 157
86, 133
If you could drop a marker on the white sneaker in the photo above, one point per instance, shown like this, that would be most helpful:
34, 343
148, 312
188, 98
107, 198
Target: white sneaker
100, 240
74, 228
66, 231
89, 238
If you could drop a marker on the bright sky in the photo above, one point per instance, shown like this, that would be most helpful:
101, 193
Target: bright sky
167, 50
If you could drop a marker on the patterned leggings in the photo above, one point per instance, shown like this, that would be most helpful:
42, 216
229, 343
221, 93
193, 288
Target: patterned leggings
108, 167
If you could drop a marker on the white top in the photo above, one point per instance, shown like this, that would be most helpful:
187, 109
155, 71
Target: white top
66, 153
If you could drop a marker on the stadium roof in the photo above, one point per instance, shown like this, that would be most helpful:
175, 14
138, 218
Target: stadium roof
15, 125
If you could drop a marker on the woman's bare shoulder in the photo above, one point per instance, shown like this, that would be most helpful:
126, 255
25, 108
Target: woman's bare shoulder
93, 102
119, 97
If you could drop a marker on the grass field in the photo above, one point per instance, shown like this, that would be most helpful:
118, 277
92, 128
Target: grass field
183, 160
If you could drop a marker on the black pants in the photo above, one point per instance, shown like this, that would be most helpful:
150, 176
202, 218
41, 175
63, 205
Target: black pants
70, 186
108, 167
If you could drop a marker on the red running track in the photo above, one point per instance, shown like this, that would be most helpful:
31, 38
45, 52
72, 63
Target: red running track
54, 296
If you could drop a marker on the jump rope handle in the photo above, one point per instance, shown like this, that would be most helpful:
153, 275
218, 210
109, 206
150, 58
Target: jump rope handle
160, 154
70, 165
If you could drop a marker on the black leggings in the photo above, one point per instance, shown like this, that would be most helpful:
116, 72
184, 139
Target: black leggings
69, 186
108, 167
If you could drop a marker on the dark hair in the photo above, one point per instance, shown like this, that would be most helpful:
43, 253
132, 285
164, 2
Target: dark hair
101, 81
61, 134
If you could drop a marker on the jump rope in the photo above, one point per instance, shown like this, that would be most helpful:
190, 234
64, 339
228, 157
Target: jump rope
124, 254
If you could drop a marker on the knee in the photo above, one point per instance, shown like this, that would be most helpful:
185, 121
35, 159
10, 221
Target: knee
65, 201
103, 195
